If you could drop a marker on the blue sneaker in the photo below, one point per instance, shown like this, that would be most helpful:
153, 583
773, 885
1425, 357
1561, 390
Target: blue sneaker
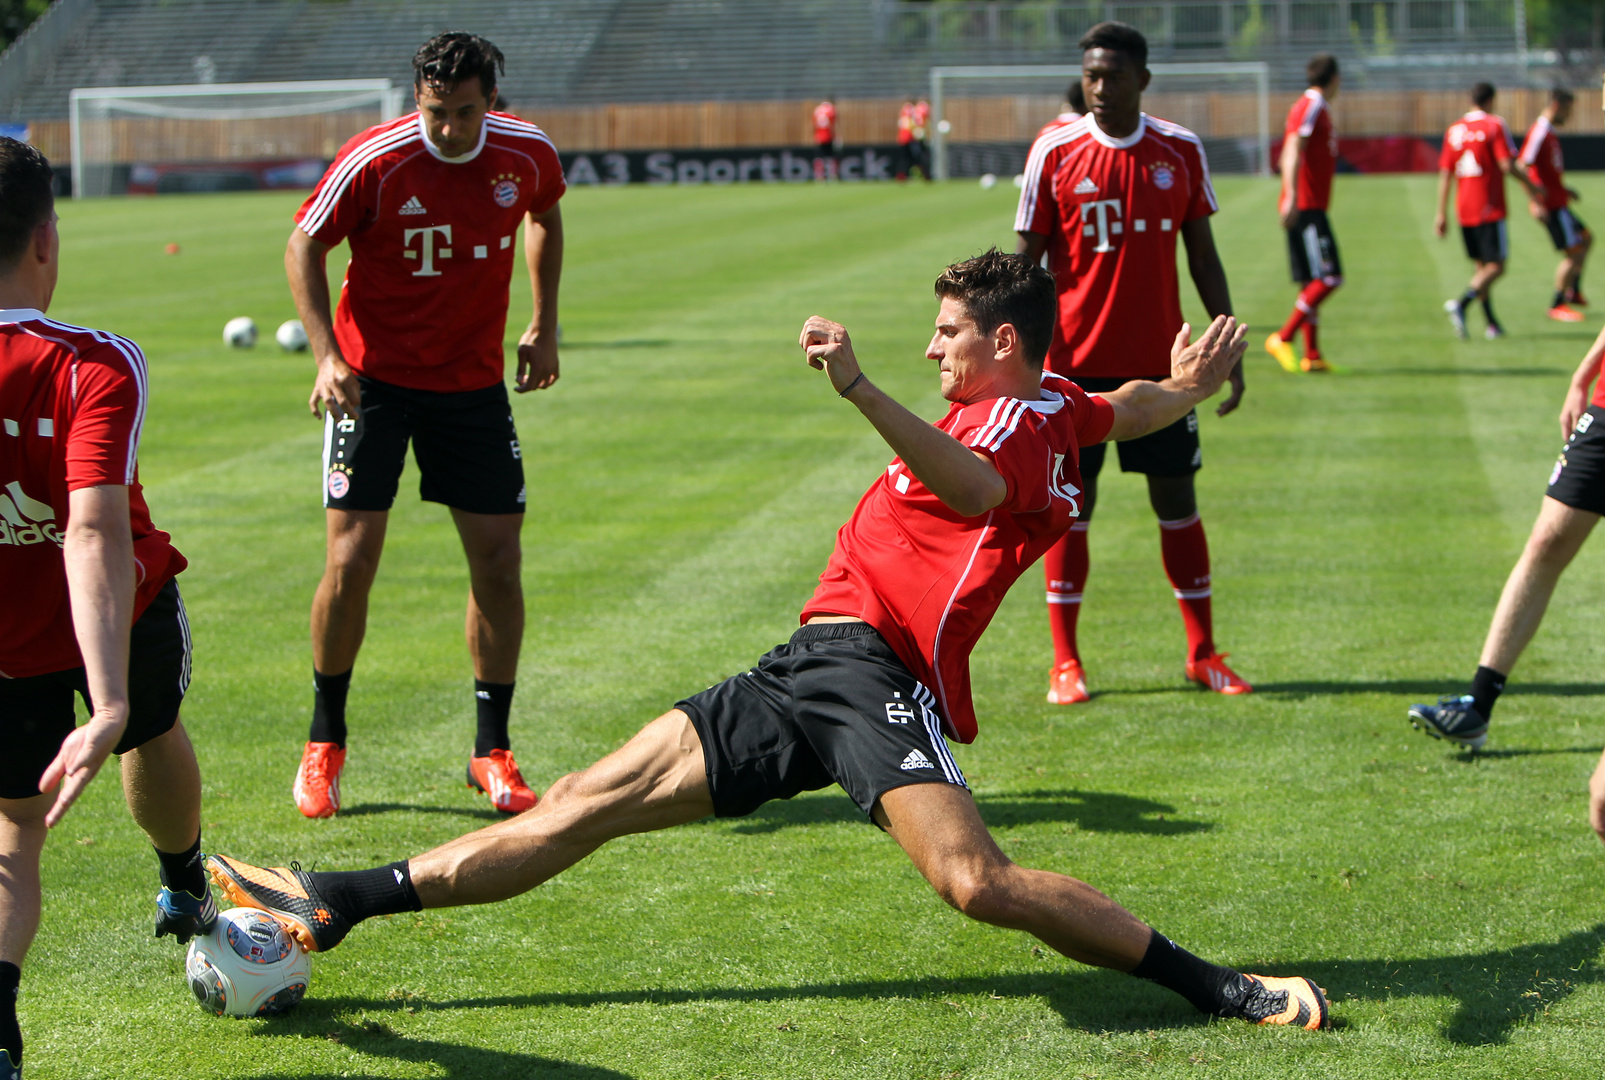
1453, 718
9, 1071
183, 915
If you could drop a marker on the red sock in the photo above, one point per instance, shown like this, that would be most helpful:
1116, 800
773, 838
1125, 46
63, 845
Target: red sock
1309, 298
1311, 325
1186, 555
1065, 566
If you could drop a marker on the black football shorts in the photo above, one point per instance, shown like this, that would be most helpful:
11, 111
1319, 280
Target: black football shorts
1312, 252
1487, 242
1565, 230
465, 445
1170, 451
834, 705
36, 713
1578, 479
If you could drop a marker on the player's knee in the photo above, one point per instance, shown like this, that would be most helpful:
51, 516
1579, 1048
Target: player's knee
978, 892
1332, 281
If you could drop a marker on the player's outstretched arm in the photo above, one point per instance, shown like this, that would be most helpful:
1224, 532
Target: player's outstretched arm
305, 265
961, 478
98, 550
537, 345
1197, 370
1576, 403
1209, 277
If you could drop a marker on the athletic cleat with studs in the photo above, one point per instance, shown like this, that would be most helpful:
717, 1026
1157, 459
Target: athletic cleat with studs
287, 894
1282, 351
1067, 684
1453, 718
1562, 313
497, 775
1494, 333
182, 914
1212, 672
1311, 364
1457, 318
317, 781
1296, 1002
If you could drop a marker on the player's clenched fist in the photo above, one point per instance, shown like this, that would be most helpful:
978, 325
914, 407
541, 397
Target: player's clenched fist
828, 347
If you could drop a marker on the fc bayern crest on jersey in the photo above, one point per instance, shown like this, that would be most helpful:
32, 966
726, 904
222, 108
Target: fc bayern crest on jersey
1163, 178
505, 191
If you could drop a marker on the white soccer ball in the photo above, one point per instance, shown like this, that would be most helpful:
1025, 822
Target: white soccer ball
989, 181
240, 332
291, 336
1019, 180
248, 965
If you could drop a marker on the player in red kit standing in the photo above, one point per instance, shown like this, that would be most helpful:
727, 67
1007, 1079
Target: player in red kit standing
92, 609
871, 686
1105, 197
1075, 107
1477, 153
1309, 159
430, 205
1546, 168
825, 165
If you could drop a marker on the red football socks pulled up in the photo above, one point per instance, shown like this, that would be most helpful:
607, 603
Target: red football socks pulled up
1309, 298
1065, 566
1186, 554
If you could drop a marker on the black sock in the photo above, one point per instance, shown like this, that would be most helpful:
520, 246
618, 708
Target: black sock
494, 701
1488, 311
1560, 298
1486, 686
329, 707
362, 894
1465, 300
182, 872
10, 1032
1211, 988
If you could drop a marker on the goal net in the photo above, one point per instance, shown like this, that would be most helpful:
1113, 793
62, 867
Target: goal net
983, 119
212, 137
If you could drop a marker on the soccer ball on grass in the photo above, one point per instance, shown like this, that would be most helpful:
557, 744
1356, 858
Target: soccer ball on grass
291, 336
247, 966
240, 332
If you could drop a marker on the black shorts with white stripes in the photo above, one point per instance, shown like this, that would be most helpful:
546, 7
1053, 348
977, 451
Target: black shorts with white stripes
36, 713
1312, 251
834, 705
1565, 230
1578, 478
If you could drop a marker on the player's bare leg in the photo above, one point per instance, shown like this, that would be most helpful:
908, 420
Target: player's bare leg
942, 832
22, 838
495, 623
162, 784
1557, 536
495, 631
356, 540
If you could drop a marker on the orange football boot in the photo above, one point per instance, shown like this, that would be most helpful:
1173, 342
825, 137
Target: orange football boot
1212, 672
1314, 363
497, 775
1287, 1001
317, 781
287, 894
1562, 313
1067, 684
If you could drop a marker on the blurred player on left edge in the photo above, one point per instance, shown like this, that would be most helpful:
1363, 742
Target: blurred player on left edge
91, 605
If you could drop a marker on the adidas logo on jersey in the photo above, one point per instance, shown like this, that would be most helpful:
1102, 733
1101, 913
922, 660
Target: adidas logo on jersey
25, 521
916, 760
412, 206
1085, 187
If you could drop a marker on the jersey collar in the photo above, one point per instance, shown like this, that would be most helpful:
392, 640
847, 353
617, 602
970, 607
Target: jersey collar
21, 314
423, 133
1474, 114
1315, 92
1118, 144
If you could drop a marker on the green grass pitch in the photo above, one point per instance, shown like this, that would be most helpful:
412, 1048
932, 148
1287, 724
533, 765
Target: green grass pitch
686, 478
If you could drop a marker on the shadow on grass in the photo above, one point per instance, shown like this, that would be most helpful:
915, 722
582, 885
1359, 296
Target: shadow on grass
1496, 991
1094, 811
484, 813
451, 1060
1423, 688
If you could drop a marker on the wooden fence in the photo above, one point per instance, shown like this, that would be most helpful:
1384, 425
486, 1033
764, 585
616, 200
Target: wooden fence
718, 124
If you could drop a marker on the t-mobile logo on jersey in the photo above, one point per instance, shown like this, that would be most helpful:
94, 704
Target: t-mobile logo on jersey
1105, 228
426, 248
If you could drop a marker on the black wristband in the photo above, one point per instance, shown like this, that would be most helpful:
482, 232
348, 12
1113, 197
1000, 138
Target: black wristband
848, 389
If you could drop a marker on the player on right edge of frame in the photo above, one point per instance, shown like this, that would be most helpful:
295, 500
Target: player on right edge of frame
867, 691
1541, 154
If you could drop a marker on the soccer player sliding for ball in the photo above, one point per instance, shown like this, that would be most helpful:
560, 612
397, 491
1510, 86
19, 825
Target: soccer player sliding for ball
877, 678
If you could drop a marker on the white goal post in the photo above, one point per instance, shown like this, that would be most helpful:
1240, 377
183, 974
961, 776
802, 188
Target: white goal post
942, 79
217, 122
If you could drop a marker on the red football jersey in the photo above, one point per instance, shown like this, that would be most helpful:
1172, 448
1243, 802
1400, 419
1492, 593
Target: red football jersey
1110, 209
72, 402
1476, 148
824, 123
905, 123
1310, 118
1069, 116
929, 579
425, 297
1545, 166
